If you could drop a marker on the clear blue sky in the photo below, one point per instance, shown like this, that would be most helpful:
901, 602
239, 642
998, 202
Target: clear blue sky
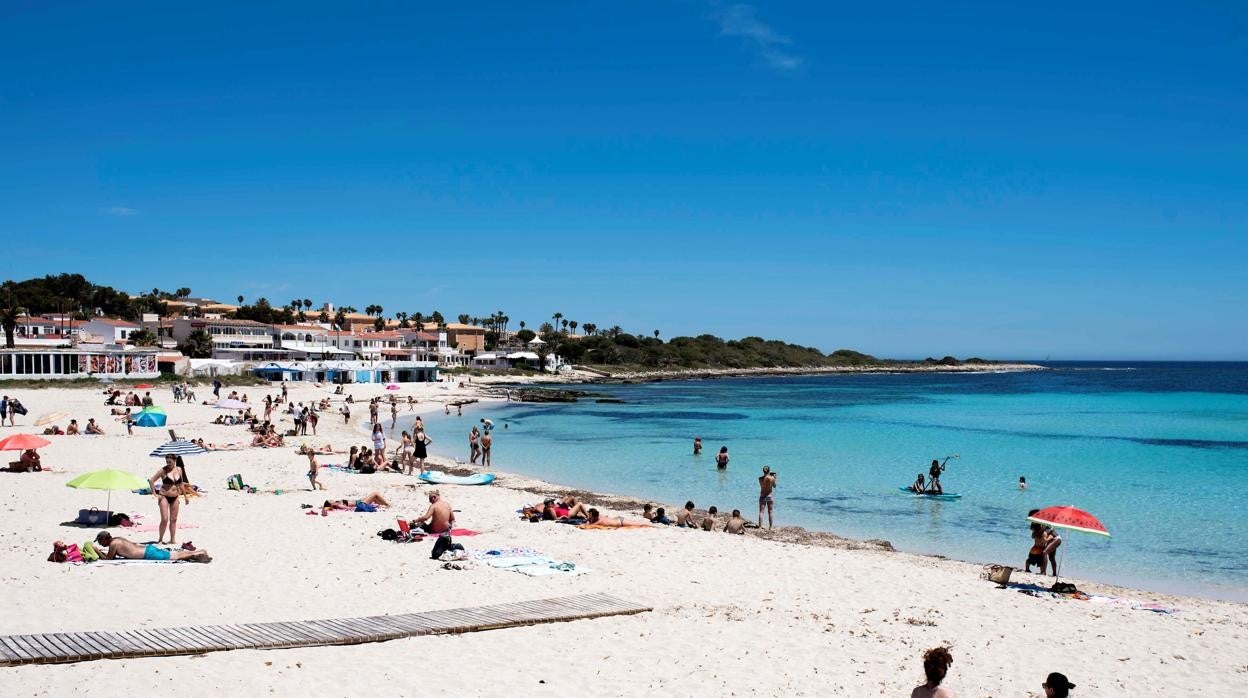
903, 178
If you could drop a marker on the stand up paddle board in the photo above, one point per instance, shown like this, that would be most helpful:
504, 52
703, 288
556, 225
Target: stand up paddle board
947, 496
437, 478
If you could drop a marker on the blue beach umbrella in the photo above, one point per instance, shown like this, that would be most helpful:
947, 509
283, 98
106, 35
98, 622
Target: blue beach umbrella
150, 419
181, 447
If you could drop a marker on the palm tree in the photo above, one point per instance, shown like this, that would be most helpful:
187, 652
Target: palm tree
437, 317
557, 317
522, 324
240, 300
656, 334
295, 305
418, 319
10, 313
402, 316
183, 292
307, 303
565, 326
591, 328
573, 326
464, 318
340, 318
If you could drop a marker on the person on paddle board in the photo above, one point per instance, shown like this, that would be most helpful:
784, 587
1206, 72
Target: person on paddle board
933, 476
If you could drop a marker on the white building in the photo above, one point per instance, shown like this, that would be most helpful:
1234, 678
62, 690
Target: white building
240, 340
113, 361
110, 330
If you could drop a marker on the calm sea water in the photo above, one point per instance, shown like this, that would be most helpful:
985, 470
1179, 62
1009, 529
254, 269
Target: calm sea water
1157, 451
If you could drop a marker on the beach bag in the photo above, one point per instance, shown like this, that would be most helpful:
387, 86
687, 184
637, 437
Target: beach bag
17, 407
389, 534
998, 574
442, 545
72, 553
93, 517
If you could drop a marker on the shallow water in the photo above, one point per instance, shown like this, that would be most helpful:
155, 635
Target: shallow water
1157, 451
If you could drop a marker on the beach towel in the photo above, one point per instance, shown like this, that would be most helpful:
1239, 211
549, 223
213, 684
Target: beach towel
150, 528
551, 569
519, 561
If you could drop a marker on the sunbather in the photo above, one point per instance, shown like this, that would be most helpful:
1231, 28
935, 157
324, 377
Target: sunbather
736, 524
375, 500
439, 518
93, 428
120, 548
27, 462
685, 518
72, 429
708, 523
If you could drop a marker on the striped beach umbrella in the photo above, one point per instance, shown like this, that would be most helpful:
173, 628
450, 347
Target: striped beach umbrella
181, 447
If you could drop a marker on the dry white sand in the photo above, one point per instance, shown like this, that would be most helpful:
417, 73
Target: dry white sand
732, 615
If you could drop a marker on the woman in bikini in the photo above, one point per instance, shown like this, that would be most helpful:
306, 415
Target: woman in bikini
419, 450
406, 449
166, 486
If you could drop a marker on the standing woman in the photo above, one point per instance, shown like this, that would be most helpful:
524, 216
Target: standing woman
406, 449
379, 442
419, 452
721, 460
474, 445
166, 486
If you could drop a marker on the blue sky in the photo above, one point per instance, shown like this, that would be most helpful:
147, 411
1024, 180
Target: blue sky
903, 178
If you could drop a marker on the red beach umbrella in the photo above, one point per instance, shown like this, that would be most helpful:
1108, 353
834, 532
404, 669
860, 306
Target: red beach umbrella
21, 442
1069, 518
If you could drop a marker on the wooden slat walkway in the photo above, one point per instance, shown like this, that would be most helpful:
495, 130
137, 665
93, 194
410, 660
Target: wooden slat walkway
58, 648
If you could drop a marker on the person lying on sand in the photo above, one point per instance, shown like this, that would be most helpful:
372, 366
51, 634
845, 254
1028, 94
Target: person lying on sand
439, 518
327, 449
120, 548
28, 462
660, 517
736, 524
54, 431
375, 499
647, 512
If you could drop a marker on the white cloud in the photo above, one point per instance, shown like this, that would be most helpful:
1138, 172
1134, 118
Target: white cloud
122, 211
738, 20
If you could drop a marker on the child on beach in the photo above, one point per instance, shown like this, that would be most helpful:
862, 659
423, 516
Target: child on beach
736, 524
685, 518
936, 663
708, 523
314, 469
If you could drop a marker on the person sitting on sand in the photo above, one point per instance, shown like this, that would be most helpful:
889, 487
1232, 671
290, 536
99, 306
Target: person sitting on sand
120, 548
28, 462
660, 517
374, 500
72, 429
1057, 686
936, 663
736, 524
708, 523
685, 518
647, 512
93, 428
439, 518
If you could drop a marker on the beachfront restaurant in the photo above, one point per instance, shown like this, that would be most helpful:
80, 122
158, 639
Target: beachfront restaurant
342, 372
43, 363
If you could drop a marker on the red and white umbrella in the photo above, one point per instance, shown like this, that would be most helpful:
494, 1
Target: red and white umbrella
1071, 519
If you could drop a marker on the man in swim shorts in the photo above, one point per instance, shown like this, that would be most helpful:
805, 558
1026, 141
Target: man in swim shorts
120, 548
766, 485
439, 518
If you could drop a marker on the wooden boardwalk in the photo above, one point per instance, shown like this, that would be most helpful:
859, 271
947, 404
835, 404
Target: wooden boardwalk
57, 648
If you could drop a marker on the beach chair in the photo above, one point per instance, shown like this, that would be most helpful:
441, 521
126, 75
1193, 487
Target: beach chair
406, 535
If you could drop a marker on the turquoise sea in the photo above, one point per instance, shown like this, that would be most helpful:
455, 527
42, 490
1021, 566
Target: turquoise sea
1157, 451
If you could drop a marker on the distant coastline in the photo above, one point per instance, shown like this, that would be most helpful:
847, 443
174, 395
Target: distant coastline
600, 376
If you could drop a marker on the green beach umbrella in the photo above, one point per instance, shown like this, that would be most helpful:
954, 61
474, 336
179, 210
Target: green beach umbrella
108, 480
152, 409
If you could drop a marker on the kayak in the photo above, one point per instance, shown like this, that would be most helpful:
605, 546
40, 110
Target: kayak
947, 496
437, 478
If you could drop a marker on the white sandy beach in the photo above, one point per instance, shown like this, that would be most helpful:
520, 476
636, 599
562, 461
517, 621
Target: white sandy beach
732, 615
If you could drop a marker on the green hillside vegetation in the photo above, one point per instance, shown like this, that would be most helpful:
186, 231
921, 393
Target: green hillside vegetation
703, 351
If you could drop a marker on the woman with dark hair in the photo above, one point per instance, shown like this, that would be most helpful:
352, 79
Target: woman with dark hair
167, 486
1057, 686
721, 459
936, 663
